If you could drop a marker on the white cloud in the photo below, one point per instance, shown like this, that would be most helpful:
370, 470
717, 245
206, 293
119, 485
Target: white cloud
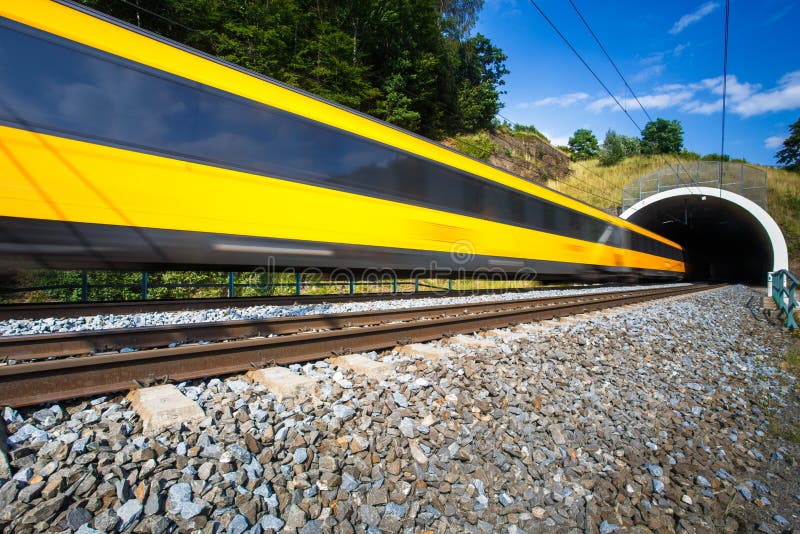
704, 97
647, 73
679, 49
778, 15
785, 96
562, 101
654, 101
774, 142
691, 18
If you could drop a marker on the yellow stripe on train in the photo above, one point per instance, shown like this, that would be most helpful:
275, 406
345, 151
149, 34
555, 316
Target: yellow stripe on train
54, 178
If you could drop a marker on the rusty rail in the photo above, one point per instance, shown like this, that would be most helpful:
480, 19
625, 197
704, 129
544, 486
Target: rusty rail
46, 381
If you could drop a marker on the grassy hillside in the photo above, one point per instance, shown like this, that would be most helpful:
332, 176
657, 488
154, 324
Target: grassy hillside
783, 192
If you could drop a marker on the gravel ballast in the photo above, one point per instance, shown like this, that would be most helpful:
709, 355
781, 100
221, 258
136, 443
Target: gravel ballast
18, 327
659, 416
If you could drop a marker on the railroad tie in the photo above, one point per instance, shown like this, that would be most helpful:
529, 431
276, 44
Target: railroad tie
473, 342
426, 351
283, 383
163, 406
358, 363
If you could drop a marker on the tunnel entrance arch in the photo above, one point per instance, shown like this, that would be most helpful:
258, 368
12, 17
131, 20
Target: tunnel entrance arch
726, 237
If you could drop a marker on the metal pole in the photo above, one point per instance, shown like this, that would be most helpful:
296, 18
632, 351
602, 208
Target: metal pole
416, 284
84, 286
297, 283
394, 284
352, 284
450, 284
231, 284
144, 285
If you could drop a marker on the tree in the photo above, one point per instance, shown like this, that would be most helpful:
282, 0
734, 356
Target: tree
789, 155
662, 137
583, 144
617, 147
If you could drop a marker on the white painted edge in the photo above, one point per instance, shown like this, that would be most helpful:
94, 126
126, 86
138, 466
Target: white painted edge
780, 254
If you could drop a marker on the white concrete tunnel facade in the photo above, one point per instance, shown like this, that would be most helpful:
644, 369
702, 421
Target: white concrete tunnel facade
780, 254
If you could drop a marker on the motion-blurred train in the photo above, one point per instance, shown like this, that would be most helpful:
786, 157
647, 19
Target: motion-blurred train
120, 149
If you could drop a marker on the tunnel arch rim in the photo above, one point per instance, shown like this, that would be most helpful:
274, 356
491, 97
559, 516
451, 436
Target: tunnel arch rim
780, 253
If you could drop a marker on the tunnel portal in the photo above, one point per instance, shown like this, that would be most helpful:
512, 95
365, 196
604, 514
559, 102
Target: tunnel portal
726, 237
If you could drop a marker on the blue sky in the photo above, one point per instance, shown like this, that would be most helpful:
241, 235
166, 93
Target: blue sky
670, 53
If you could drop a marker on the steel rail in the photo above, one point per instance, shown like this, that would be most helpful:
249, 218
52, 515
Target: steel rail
76, 309
48, 381
33, 347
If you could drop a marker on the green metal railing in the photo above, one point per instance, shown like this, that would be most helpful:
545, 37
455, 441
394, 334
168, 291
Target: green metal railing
297, 284
783, 292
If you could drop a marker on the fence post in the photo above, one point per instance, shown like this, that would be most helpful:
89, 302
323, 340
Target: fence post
144, 285
450, 284
416, 284
231, 284
352, 284
84, 286
769, 284
394, 283
297, 277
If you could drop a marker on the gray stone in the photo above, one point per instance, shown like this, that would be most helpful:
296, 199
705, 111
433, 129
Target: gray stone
300, 455
238, 524
75, 517
106, 521
557, 434
349, 483
270, 522
295, 517
343, 412
655, 470
745, 492
369, 515
128, 514
400, 399
702, 481
607, 528
86, 529
406, 427
178, 495
191, 509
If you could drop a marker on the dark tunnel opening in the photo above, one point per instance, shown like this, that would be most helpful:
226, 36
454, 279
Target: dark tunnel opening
722, 241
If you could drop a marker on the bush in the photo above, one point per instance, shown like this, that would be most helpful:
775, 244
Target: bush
716, 157
617, 147
478, 145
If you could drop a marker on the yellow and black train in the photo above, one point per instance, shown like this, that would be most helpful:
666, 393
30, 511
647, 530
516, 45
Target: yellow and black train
121, 149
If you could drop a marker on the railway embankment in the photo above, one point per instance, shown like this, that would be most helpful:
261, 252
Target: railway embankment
674, 415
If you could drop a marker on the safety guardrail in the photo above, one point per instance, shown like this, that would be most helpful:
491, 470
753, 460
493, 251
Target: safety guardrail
783, 292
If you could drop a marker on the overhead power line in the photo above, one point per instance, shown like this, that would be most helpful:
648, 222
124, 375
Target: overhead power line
724, 86
608, 56
603, 48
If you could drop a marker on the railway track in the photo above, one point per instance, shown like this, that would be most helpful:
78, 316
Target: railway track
51, 371
77, 309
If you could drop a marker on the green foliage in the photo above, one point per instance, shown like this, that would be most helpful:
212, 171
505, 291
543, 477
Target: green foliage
789, 155
524, 130
662, 137
583, 145
688, 155
409, 62
479, 145
617, 147
716, 157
